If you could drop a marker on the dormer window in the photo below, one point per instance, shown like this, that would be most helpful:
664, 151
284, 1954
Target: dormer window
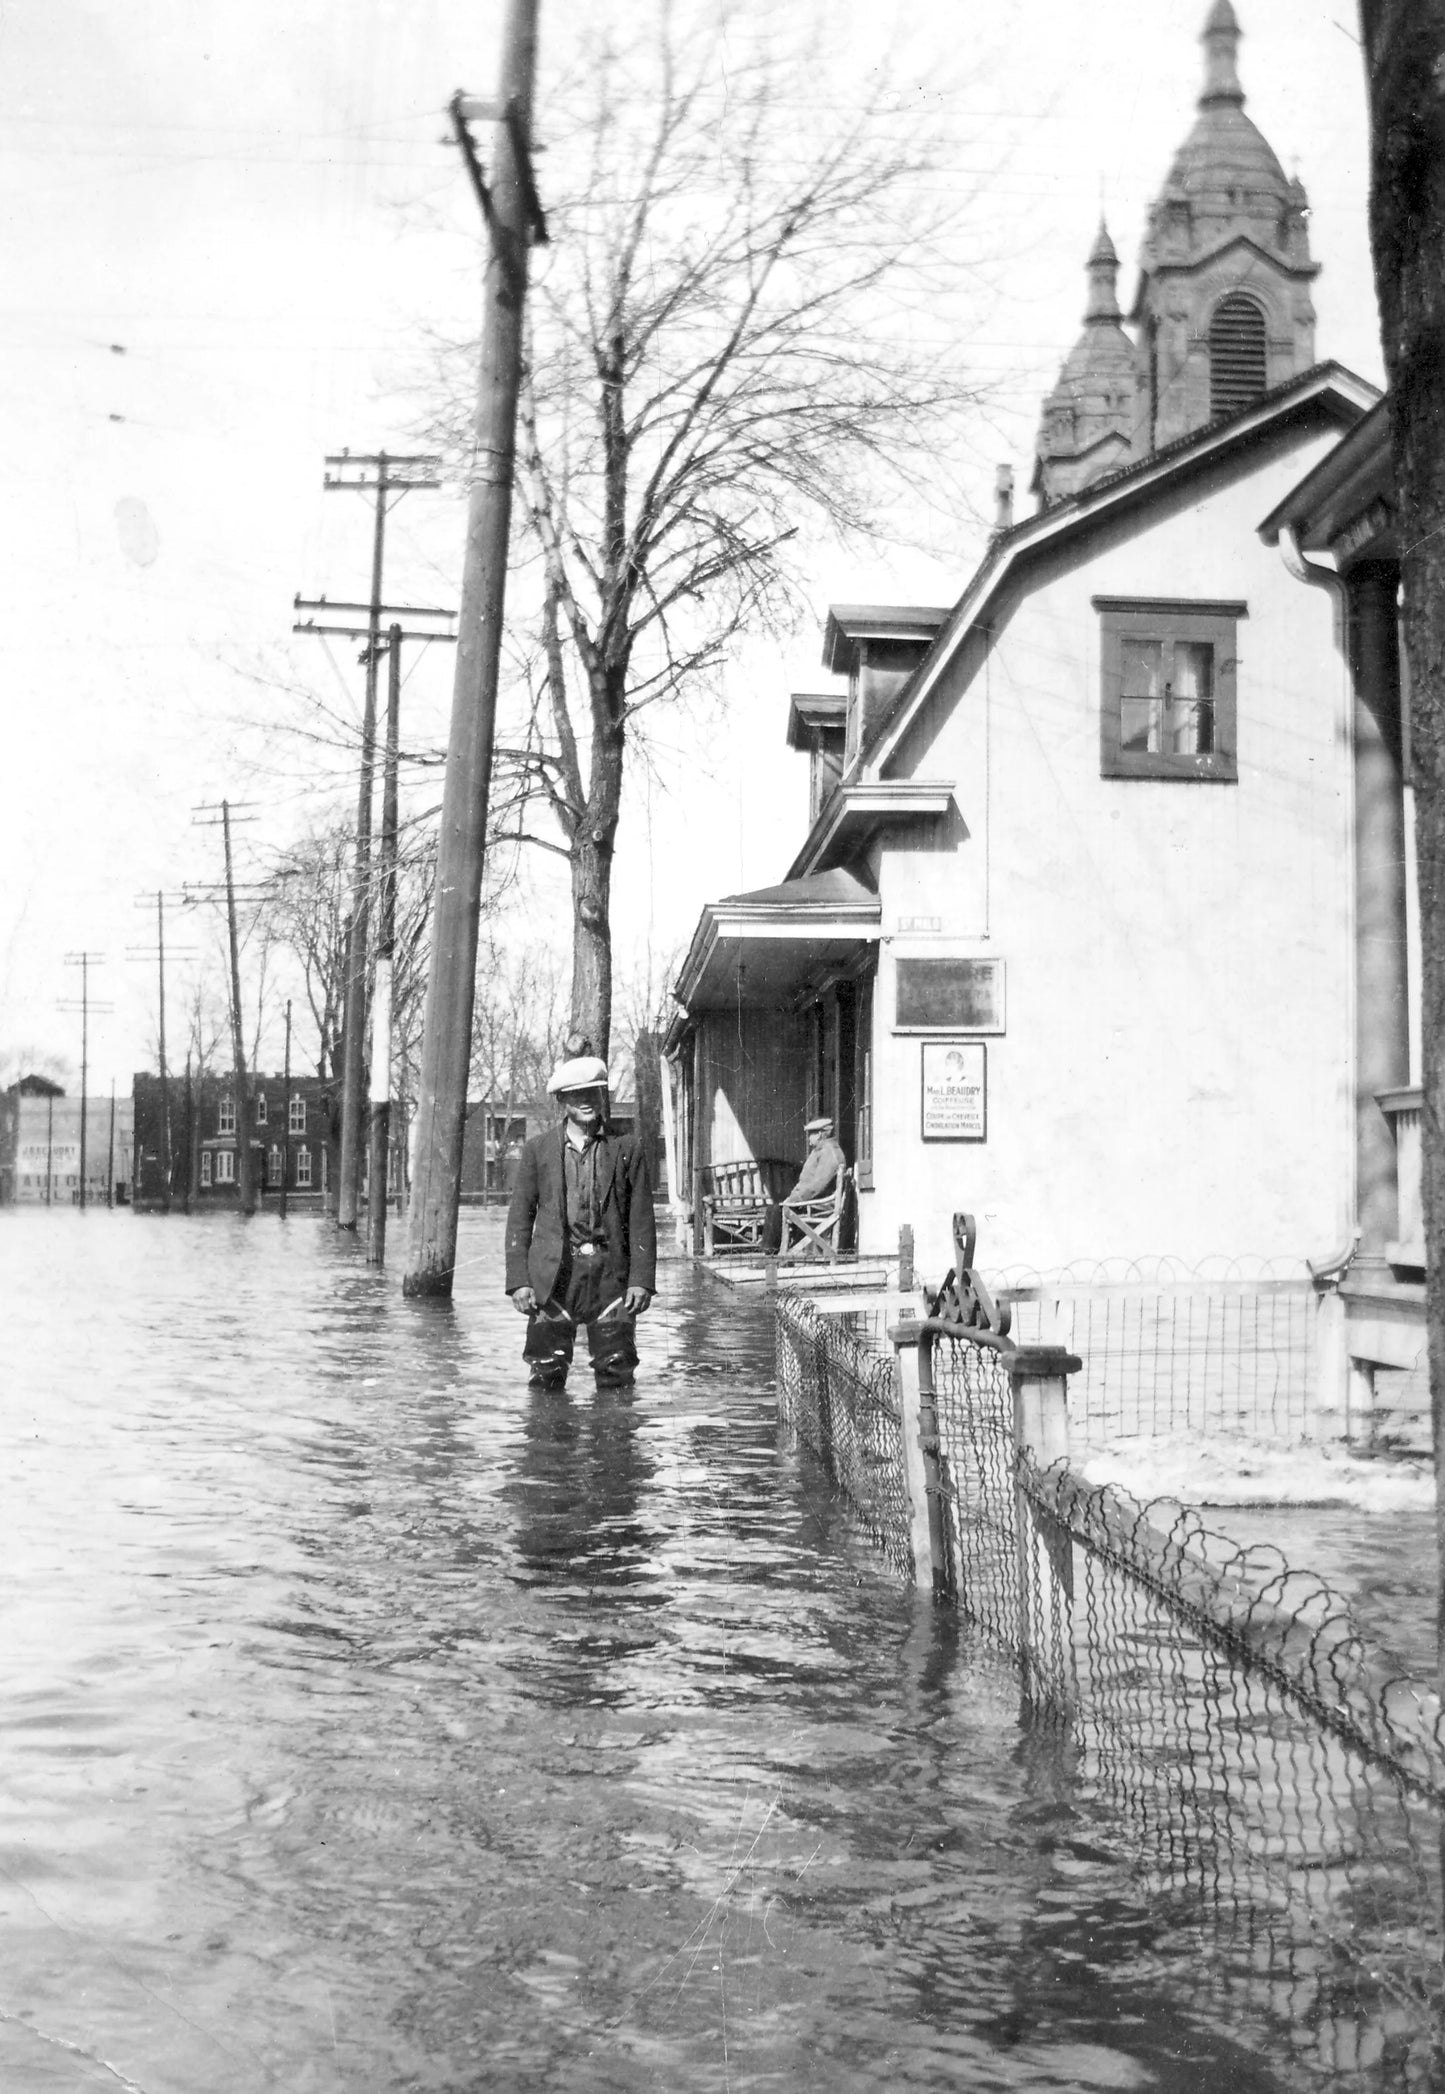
817, 722
877, 647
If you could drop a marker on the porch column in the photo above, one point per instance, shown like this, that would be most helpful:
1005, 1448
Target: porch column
1382, 1037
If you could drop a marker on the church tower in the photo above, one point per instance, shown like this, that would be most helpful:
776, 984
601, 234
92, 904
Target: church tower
1223, 306
1222, 312
1095, 416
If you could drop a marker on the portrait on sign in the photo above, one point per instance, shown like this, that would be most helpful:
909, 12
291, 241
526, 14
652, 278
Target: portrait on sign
955, 1090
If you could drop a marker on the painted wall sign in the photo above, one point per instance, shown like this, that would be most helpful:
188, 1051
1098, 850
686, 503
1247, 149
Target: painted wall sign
955, 1090
948, 996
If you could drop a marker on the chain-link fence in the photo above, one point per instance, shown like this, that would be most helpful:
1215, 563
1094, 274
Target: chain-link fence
836, 1390
1219, 1705
1174, 1354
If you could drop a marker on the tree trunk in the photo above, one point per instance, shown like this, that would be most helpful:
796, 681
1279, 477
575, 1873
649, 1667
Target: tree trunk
591, 861
1405, 63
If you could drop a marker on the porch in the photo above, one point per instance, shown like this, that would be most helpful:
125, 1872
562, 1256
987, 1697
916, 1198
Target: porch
774, 1029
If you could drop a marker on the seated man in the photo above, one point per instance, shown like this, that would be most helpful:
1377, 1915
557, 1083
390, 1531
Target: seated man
581, 1240
823, 1165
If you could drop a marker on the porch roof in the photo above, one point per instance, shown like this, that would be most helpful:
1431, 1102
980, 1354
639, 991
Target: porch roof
761, 948
1346, 505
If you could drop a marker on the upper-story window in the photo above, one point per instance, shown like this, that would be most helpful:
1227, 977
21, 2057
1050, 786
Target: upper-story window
260, 1108
296, 1118
226, 1117
1238, 364
1169, 681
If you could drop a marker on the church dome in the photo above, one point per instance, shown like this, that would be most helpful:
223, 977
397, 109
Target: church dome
1226, 180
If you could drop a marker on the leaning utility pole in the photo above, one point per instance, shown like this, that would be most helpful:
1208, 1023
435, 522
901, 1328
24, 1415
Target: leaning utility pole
513, 219
383, 474
385, 955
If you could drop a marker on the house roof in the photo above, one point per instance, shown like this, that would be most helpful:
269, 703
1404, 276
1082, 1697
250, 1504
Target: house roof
811, 709
1349, 495
765, 946
848, 623
1327, 391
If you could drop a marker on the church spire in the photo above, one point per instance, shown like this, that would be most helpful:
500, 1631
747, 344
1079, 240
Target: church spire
1103, 267
1221, 48
1091, 418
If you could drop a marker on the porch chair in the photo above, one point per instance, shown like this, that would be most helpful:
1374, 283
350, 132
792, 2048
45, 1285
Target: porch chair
737, 1199
814, 1228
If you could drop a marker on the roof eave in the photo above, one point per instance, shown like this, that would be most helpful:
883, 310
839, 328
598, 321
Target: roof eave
1354, 396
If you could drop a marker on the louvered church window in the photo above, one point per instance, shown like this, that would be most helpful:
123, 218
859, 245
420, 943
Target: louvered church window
1236, 355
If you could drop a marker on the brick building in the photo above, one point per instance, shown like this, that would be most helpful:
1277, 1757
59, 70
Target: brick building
293, 1140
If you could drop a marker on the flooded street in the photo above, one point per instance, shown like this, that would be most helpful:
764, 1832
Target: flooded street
371, 1723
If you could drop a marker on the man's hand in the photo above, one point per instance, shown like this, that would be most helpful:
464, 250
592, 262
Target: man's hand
524, 1301
636, 1301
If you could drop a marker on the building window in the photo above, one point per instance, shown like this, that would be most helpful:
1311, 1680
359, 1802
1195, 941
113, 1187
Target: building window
273, 1164
296, 1118
225, 1166
1168, 701
205, 1166
261, 1110
226, 1118
303, 1166
1237, 358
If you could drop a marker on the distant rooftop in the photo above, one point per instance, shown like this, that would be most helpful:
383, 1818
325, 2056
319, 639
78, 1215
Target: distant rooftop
848, 623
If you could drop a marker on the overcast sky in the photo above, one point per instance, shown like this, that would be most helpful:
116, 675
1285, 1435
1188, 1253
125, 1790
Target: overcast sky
229, 231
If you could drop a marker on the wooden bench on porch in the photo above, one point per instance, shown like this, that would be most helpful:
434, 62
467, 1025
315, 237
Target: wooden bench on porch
735, 1200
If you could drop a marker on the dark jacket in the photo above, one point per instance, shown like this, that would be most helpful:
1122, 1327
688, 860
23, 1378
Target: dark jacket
537, 1216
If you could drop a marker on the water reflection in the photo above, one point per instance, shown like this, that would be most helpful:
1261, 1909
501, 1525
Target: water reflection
371, 1722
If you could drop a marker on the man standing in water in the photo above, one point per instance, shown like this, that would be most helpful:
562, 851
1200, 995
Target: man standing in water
581, 1235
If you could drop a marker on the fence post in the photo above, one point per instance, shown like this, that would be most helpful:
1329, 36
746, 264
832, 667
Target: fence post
925, 1531
1039, 1375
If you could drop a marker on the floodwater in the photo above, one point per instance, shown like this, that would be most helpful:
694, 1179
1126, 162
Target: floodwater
369, 1723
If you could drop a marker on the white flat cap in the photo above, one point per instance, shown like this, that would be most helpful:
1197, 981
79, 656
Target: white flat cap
587, 1072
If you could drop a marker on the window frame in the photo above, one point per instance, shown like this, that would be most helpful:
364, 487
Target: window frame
260, 1113
303, 1170
1169, 619
226, 1113
225, 1167
205, 1178
296, 1114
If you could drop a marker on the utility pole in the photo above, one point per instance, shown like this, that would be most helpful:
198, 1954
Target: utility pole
433, 623
158, 954
245, 1185
385, 955
286, 1087
83, 961
110, 1155
386, 475
513, 219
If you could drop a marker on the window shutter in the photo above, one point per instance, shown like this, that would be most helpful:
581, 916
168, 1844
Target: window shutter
1237, 365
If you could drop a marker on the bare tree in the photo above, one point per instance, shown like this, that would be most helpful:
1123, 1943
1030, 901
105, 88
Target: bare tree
518, 1022
306, 909
1404, 44
719, 360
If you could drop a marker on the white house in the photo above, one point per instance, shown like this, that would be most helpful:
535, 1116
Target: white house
1101, 927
